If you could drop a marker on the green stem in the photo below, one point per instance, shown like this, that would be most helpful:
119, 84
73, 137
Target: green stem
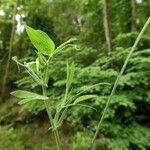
117, 80
56, 133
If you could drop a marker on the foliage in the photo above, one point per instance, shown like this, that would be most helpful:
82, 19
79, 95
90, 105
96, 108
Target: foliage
9, 139
124, 109
127, 121
81, 141
39, 71
26, 137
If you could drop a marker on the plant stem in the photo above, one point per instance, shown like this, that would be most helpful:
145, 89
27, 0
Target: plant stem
56, 133
117, 80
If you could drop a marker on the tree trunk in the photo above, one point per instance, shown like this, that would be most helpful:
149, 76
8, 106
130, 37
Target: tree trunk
107, 29
133, 11
9, 51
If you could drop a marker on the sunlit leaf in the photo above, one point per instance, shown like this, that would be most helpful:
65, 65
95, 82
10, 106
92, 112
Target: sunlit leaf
41, 41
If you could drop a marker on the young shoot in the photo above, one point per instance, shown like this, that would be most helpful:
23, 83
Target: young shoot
39, 72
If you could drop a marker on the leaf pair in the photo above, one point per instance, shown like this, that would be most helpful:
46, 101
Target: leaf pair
27, 96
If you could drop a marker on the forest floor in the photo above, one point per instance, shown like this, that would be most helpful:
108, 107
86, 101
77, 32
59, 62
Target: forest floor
19, 132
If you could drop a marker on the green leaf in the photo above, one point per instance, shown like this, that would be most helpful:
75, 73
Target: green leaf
24, 101
42, 59
41, 41
83, 98
26, 95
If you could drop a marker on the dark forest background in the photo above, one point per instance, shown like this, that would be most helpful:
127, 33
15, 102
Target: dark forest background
105, 32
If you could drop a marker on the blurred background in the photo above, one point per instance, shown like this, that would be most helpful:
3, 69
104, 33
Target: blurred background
105, 32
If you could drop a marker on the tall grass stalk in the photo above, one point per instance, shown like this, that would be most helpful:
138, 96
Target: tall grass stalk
117, 80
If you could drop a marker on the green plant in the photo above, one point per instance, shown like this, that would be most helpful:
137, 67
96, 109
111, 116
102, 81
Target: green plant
118, 78
39, 71
9, 139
